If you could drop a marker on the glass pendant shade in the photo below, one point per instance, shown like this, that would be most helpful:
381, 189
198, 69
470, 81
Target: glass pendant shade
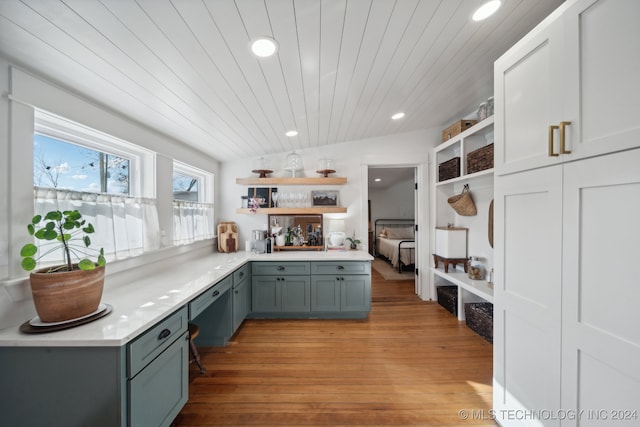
293, 163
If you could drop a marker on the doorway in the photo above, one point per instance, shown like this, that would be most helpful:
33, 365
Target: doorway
392, 217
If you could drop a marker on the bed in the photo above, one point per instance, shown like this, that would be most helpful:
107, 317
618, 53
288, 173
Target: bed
395, 241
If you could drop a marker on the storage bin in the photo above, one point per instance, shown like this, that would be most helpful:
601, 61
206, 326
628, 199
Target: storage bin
456, 128
479, 318
448, 298
449, 169
451, 242
480, 159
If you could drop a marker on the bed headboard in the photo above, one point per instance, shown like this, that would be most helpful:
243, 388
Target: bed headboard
399, 227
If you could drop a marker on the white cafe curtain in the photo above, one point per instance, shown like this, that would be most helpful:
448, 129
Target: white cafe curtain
125, 226
192, 221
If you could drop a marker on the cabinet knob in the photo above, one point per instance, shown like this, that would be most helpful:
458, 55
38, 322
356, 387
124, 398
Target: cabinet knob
241, 274
215, 293
280, 267
340, 267
164, 334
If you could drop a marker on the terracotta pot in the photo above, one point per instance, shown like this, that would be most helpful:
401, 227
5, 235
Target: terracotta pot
66, 295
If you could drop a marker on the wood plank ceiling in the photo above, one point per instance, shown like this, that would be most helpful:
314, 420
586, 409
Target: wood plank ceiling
343, 67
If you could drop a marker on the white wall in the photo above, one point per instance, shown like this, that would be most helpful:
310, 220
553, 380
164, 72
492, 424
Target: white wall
22, 92
351, 161
395, 201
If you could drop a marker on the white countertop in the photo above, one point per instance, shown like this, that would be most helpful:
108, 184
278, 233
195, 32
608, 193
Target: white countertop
143, 302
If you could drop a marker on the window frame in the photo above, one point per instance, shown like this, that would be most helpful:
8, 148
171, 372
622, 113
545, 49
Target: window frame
205, 180
141, 161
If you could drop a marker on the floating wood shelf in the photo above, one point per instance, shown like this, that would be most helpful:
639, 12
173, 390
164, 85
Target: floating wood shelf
335, 180
314, 210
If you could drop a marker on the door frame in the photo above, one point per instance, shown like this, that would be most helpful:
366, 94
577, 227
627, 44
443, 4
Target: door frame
422, 218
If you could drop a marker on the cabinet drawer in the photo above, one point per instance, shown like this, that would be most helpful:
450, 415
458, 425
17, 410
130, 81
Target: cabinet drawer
158, 393
270, 268
241, 274
208, 297
153, 342
347, 267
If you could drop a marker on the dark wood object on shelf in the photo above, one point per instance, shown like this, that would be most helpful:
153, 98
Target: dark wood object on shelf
263, 172
325, 172
453, 261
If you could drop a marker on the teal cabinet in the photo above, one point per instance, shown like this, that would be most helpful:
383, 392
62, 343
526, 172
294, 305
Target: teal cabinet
281, 287
341, 286
355, 293
325, 294
330, 289
295, 292
212, 311
275, 294
161, 389
241, 295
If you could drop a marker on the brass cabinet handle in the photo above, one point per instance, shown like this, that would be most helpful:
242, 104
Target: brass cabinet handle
551, 129
563, 149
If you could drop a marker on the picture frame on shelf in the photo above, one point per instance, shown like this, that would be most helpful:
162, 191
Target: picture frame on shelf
264, 194
324, 198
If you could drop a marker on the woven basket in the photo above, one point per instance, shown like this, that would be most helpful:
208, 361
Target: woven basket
463, 203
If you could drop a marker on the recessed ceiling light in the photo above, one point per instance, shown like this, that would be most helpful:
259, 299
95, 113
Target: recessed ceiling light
397, 116
486, 10
264, 47
292, 133
378, 179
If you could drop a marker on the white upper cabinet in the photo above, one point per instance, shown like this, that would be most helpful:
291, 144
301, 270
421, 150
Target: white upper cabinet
569, 89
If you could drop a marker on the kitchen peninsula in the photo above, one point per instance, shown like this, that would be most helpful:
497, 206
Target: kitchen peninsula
131, 367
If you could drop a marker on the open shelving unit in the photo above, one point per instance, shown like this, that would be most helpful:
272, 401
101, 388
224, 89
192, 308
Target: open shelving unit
481, 186
336, 180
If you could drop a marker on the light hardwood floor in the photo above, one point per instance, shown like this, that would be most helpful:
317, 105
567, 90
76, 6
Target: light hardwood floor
411, 363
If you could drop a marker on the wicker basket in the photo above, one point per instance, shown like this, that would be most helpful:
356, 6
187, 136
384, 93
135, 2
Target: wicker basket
480, 159
456, 128
479, 318
449, 169
448, 298
463, 203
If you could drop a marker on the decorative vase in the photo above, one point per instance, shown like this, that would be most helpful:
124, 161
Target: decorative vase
354, 246
66, 295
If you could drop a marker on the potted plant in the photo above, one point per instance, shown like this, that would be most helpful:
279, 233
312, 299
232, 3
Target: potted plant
354, 242
68, 291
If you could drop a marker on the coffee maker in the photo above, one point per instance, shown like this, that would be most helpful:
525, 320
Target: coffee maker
259, 241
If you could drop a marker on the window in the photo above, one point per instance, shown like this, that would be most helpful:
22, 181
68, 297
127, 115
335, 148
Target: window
185, 187
192, 207
60, 164
76, 167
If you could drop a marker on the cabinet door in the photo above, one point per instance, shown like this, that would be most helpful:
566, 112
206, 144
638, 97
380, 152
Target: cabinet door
241, 303
161, 389
600, 334
325, 293
355, 293
528, 95
527, 291
601, 80
296, 293
265, 294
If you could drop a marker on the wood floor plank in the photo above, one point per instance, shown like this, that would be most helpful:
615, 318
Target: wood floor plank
410, 363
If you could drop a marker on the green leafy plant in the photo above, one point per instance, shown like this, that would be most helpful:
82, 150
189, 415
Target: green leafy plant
65, 228
354, 242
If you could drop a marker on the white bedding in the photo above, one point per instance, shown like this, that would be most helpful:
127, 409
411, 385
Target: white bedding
389, 249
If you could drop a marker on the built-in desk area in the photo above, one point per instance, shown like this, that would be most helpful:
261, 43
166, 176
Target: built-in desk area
130, 368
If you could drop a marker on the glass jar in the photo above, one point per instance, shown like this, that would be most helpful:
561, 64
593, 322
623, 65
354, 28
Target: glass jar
490, 106
482, 112
475, 269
